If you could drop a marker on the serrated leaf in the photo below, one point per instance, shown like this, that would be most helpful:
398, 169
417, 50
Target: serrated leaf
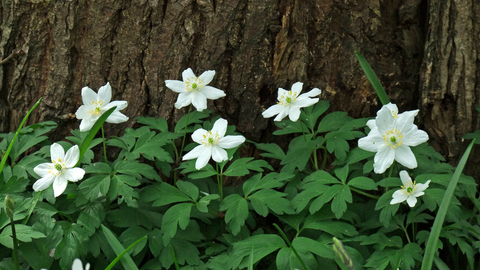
273, 200
156, 123
304, 244
24, 233
328, 195
299, 152
91, 217
238, 167
332, 121
237, 212
263, 244
163, 194
271, 180
73, 244
339, 203
272, 150
194, 117
178, 214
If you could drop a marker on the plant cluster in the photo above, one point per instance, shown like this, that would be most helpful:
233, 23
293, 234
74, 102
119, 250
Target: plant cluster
346, 194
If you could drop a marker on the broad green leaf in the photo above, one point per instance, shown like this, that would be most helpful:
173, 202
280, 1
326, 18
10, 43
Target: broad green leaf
288, 127
189, 189
178, 214
273, 200
91, 217
131, 235
157, 123
362, 182
299, 151
271, 180
338, 229
73, 244
304, 244
185, 253
24, 234
163, 194
381, 241
238, 167
287, 259
136, 169
380, 259
264, 245
95, 186
311, 113
237, 212
194, 117
328, 195
188, 167
272, 150
203, 203
333, 121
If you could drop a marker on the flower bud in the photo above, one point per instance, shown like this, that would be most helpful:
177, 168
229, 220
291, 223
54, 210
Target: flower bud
341, 253
9, 206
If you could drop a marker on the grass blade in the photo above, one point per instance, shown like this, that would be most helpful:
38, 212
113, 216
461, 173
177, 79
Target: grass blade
93, 131
372, 77
118, 248
431, 247
4, 159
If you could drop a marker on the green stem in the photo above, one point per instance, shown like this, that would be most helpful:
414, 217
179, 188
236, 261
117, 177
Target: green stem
324, 162
112, 264
15, 245
315, 161
4, 159
406, 234
104, 146
290, 246
220, 182
364, 193
174, 258
32, 207
185, 133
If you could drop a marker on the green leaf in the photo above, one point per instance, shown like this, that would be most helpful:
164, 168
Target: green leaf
93, 131
288, 127
150, 147
381, 241
91, 218
312, 113
24, 233
237, 212
338, 229
299, 152
189, 189
272, 149
238, 167
339, 203
264, 245
362, 182
163, 194
431, 247
95, 186
328, 195
185, 253
131, 235
73, 244
304, 244
178, 214
189, 167
194, 117
271, 180
372, 77
388, 210
273, 200
159, 124
333, 121
117, 247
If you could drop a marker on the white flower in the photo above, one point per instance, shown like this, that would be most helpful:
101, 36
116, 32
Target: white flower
212, 144
77, 265
410, 190
289, 102
391, 136
95, 105
194, 90
60, 171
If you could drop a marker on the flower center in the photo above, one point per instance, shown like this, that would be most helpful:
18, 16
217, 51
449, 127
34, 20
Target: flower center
287, 98
409, 187
194, 84
393, 138
210, 139
58, 167
98, 104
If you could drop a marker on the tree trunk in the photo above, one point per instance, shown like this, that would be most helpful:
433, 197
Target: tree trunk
423, 52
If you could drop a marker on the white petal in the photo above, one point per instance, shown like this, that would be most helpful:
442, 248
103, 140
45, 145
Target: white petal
231, 141
187, 74
411, 200
74, 174
87, 124
282, 114
405, 177
212, 92
105, 93
219, 154
220, 127
121, 104
84, 112
421, 188
88, 96
57, 152
372, 142
203, 159
77, 265
392, 108
116, 117
184, 99
197, 135
59, 185
273, 110
196, 152
415, 137
294, 113
43, 169
207, 76
297, 88
43, 183
199, 101
312, 93
280, 93
384, 120
304, 102
72, 156
405, 156
371, 124
398, 197
176, 86
383, 159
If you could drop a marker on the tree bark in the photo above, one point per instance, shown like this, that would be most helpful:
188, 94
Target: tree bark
424, 53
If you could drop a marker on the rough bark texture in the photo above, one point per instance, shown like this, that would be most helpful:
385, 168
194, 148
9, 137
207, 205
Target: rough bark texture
424, 53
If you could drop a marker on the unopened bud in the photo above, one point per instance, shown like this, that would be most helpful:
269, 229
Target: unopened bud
341, 253
9, 206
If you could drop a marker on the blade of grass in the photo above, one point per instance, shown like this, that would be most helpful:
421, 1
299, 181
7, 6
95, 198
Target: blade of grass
118, 248
250, 264
4, 159
372, 77
431, 247
93, 131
